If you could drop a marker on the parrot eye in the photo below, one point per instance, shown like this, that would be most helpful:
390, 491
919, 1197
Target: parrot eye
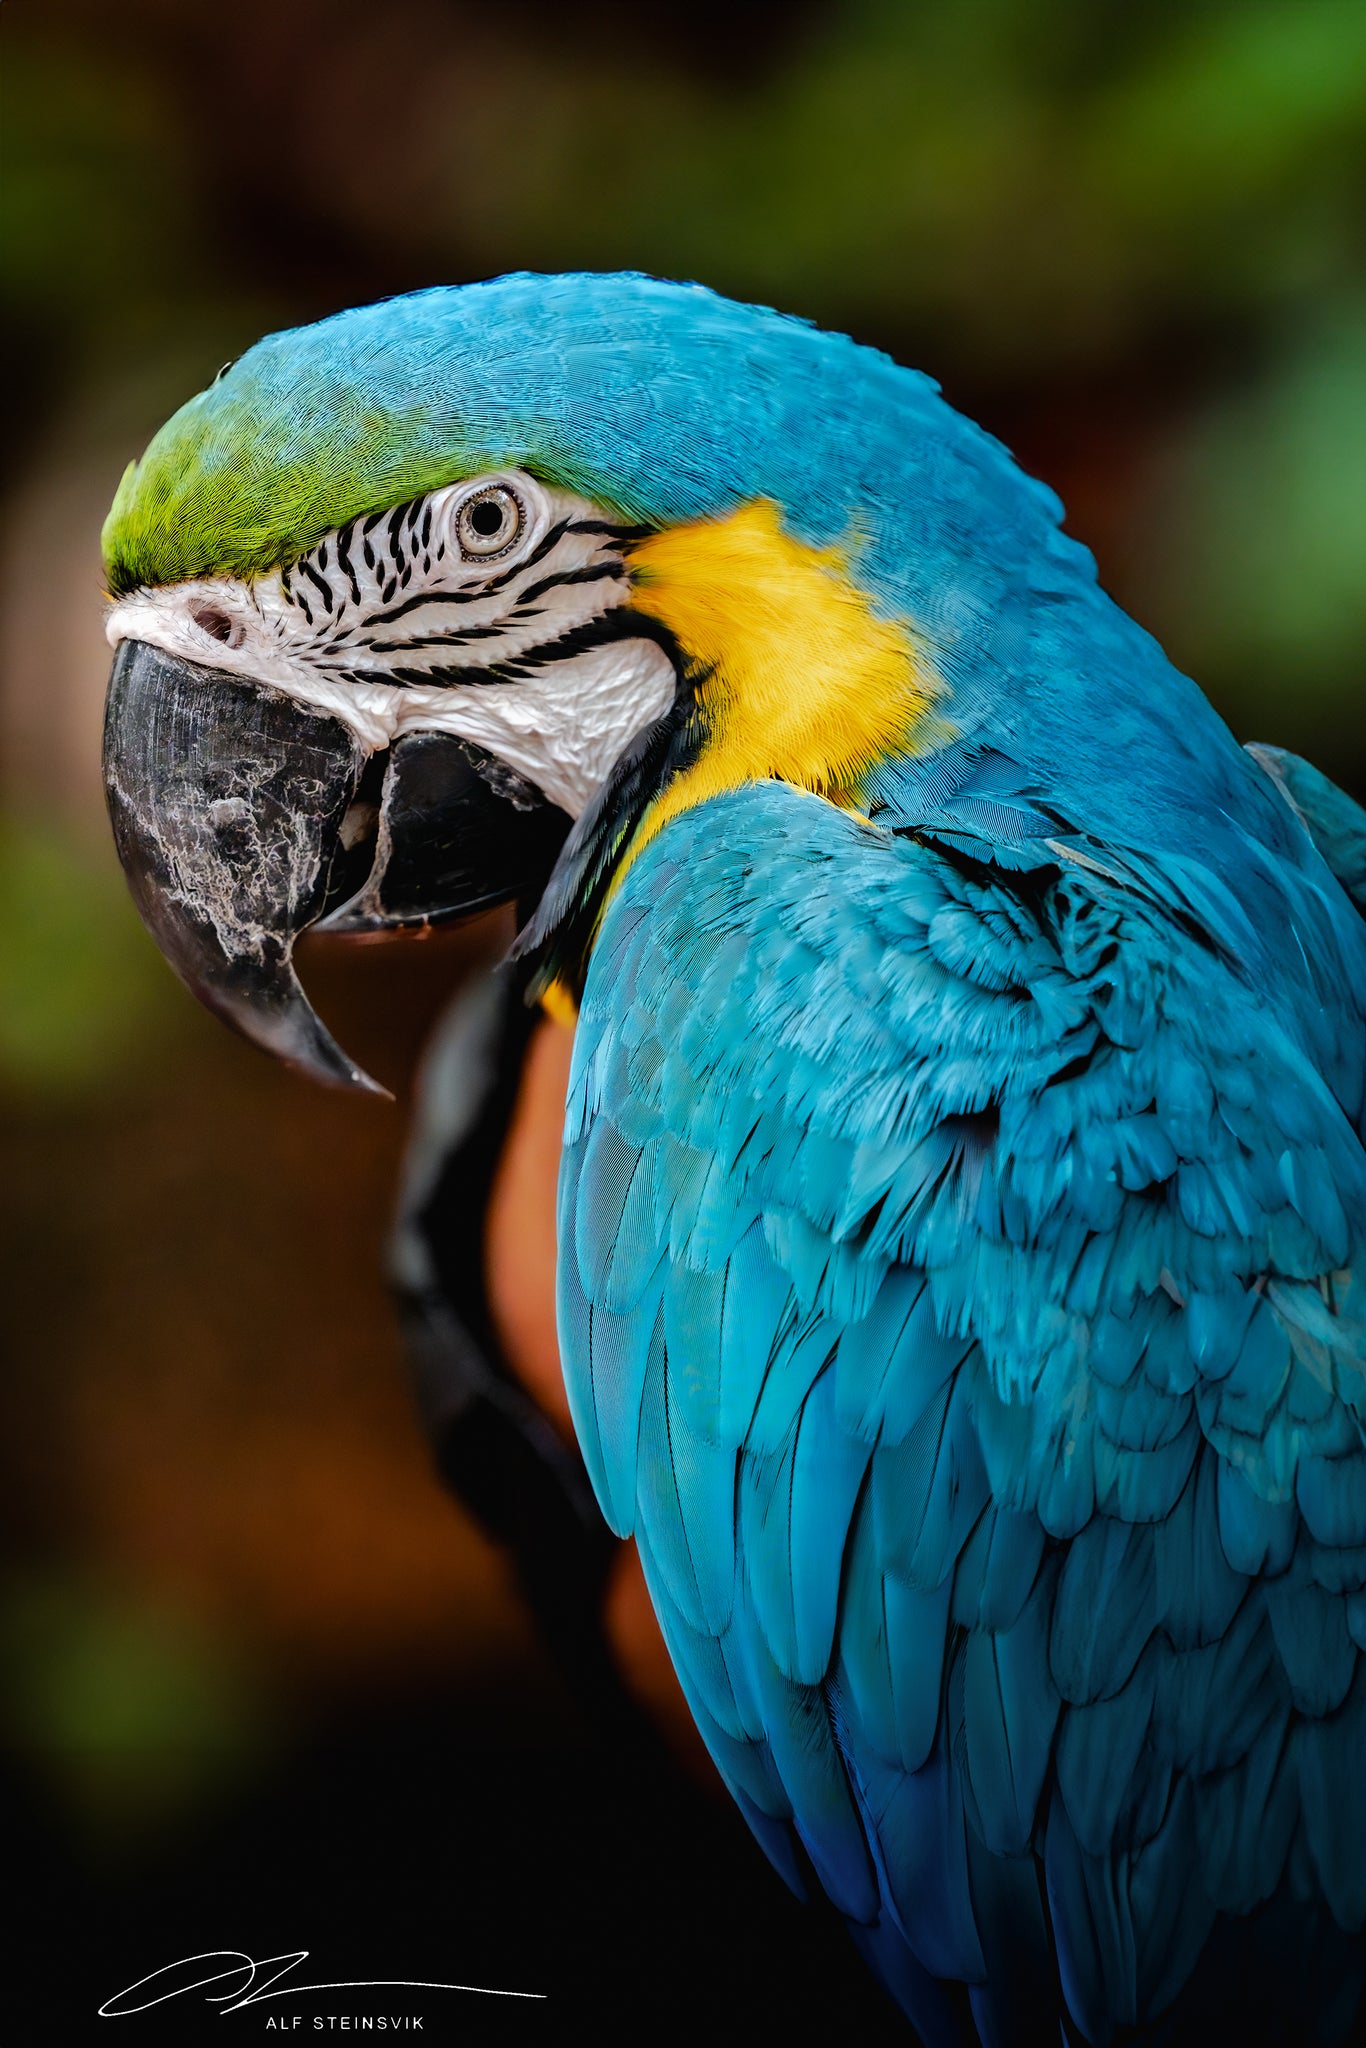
490, 521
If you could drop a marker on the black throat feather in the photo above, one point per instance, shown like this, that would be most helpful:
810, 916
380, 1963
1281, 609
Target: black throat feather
555, 943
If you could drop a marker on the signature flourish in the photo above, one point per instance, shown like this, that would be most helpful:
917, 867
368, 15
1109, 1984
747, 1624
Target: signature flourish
174, 1980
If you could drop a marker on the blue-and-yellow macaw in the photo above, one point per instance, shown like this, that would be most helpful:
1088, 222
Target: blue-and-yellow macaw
963, 1190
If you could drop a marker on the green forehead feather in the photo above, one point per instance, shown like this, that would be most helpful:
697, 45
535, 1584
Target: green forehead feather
249, 474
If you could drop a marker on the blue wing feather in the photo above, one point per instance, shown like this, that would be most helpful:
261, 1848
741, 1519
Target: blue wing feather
788, 1506
1010, 1719
685, 1497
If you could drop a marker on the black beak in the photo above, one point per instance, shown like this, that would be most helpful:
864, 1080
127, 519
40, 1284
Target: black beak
241, 818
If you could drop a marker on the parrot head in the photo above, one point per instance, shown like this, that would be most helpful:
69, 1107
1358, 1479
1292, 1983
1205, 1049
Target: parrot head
406, 598
457, 598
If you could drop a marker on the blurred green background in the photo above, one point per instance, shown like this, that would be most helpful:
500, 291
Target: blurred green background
1129, 237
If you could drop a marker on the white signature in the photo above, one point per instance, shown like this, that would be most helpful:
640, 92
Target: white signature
245, 1989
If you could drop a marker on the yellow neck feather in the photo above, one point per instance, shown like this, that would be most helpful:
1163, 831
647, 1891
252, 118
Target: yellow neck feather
804, 682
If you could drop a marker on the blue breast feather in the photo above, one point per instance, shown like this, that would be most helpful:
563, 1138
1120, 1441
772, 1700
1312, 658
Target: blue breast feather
961, 1301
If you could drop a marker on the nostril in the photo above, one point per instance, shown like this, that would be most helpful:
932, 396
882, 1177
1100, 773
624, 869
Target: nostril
217, 625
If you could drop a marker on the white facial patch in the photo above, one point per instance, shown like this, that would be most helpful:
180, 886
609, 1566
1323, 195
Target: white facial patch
392, 625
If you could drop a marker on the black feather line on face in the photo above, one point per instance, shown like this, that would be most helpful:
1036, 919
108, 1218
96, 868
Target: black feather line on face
596, 572
324, 588
621, 623
555, 944
344, 558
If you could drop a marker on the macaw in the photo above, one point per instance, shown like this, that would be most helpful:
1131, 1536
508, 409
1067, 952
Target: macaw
963, 1195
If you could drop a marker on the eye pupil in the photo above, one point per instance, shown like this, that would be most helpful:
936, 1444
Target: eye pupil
487, 518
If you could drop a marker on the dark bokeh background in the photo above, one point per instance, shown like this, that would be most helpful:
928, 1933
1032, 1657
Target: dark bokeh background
265, 1685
